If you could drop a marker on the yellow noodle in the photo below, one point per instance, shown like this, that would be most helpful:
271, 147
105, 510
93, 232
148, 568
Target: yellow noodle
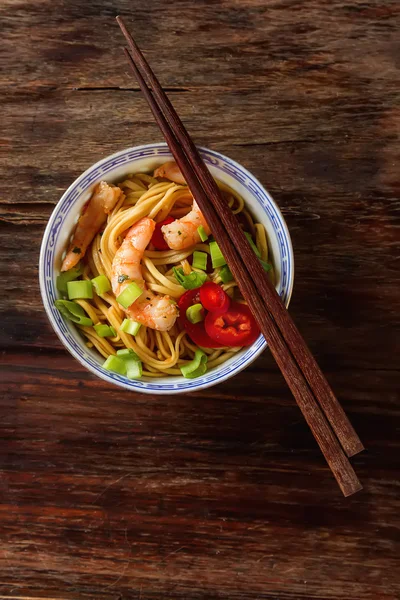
227, 286
168, 257
186, 267
135, 179
90, 309
118, 206
132, 185
261, 240
231, 193
132, 198
101, 343
147, 179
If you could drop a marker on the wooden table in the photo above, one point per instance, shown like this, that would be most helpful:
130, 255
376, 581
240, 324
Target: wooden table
222, 494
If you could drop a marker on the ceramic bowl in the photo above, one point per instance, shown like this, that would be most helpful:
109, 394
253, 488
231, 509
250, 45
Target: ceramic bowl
113, 169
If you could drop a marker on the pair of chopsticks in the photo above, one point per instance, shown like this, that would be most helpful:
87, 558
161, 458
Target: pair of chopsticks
321, 409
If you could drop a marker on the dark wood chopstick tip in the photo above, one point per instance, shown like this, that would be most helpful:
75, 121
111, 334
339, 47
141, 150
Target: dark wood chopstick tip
121, 24
353, 490
356, 449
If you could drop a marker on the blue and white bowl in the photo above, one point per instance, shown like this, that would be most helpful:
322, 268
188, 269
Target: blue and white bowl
113, 169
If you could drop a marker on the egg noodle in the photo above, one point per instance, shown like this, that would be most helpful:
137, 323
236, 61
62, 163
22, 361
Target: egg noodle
161, 352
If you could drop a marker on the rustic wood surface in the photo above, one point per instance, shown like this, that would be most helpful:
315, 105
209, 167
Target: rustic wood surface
221, 494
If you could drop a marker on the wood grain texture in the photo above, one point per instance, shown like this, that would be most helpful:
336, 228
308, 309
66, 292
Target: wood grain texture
221, 494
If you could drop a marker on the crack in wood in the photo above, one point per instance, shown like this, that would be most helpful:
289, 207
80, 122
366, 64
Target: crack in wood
123, 89
276, 143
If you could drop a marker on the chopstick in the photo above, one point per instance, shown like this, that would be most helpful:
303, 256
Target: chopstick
202, 184
329, 445
315, 378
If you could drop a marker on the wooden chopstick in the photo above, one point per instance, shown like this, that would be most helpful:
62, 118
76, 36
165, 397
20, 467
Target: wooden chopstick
313, 374
328, 443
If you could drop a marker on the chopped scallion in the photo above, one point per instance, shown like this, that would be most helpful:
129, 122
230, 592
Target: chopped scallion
197, 367
79, 289
101, 284
195, 313
191, 281
226, 274
252, 244
200, 260
134, 368
128, 353
66, 276
202, 233
73, 312
103, 330
131, 327
266, 265
115, 364
129, 295
217, 257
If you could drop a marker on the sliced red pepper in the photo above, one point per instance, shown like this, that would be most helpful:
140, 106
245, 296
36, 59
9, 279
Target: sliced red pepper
196, 331
236, 327
213, 298
157, 238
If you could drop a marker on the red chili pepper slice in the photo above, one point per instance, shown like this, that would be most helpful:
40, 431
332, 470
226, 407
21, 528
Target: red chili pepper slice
196, 331
213, 298
236, 327
157, 238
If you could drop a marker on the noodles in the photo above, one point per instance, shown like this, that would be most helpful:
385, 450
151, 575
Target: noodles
261, 241
161, 352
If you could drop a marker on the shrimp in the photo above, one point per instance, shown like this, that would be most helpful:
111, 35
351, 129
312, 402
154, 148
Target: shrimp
171, 171
154, 311
101, 203
183, 233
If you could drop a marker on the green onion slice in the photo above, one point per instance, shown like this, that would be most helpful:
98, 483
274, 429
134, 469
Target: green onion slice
63, 278
134, 368
73, 312
127, 353
189, 282
131, 293
115, 364
195, 313
199, 260
202, 233
80, 289
252, 244
103, 330
226, 274
131, 327
101, 285
197, 367
217, 258
266, 265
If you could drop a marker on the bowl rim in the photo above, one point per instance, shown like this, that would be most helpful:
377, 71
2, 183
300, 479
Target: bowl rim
145, 385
